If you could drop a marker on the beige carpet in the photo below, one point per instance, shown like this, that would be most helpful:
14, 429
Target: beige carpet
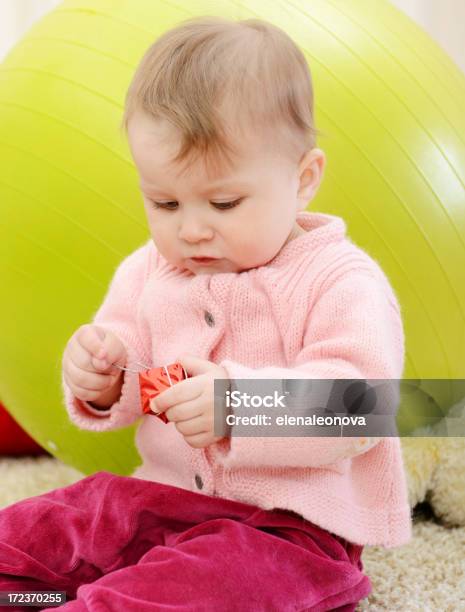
427, 574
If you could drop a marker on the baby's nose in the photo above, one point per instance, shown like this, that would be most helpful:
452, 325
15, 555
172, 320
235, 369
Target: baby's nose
195, 232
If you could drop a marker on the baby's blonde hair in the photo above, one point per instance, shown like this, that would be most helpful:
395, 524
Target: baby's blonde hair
214, 78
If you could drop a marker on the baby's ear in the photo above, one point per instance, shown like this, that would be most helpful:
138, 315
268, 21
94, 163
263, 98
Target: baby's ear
311, 170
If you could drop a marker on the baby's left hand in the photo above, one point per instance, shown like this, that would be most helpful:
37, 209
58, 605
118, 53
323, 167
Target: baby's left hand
189, 404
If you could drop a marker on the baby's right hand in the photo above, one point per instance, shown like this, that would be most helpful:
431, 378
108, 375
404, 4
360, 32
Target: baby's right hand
87, 363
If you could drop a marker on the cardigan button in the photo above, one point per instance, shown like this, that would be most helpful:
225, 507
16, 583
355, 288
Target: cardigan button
361, 443
198, 481
209, 318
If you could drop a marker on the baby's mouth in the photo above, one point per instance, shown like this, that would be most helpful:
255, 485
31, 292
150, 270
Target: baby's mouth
204, 260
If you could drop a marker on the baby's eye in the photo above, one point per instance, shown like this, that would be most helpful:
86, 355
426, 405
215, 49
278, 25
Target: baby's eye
219, 205
167, 205
226, 205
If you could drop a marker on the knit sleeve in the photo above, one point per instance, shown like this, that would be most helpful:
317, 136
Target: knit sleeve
119, 314
353, 331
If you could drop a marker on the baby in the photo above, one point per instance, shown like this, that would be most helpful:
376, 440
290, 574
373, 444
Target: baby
237, 281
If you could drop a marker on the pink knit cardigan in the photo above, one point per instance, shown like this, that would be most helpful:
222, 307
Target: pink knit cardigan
322, 308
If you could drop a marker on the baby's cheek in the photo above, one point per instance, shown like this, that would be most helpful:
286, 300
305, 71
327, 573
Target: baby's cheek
256, 256
161, 239
253, 246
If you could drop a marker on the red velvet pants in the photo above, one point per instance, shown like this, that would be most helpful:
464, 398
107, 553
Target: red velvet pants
117, 543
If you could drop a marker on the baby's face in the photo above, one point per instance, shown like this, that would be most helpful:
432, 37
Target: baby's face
241, 219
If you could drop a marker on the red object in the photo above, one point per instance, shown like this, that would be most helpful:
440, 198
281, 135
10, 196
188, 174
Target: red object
152, 382
197, 545
13, 439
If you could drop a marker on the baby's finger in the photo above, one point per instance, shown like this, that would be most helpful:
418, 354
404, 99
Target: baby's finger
103, 365
114, 351
82, 393
89, 381
84, 360
92, 338
79, 356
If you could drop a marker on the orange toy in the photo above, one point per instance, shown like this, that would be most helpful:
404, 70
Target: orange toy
152, 382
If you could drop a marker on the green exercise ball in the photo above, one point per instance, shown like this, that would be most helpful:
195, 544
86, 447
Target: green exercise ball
389, 103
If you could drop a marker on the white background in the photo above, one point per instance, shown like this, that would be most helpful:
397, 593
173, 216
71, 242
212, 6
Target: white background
444, 20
